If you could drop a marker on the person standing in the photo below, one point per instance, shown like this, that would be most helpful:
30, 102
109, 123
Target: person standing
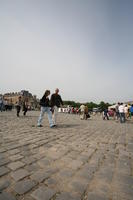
45, 107
18, 105
121, 113
56, 102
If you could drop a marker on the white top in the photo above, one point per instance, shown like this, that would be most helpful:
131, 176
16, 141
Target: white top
121, 109
82, 108
125, 109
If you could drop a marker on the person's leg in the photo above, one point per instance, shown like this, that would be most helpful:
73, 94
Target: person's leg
18, 110
120, 115
51, 123
1, 107
25, 111
54, 115
124, 119
41, 116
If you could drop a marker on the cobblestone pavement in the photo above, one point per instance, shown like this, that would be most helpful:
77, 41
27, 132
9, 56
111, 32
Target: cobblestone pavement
78, 160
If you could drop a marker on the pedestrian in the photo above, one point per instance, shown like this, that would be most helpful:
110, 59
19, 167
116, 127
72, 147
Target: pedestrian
131, 111
18, 105
25, 106
126, 111
45, 108
121, 113
1, 103
86, 112
117, 111
82, 111
56, 102
105, 114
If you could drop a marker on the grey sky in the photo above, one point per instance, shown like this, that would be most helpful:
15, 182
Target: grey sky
84, 47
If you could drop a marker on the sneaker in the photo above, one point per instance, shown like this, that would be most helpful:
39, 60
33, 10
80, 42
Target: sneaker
40, 125
53, 126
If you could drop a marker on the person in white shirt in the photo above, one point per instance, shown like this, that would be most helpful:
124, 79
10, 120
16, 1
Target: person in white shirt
82, 111
126, 111
122, 113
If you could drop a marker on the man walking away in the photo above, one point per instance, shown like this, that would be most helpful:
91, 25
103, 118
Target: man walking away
56, 102
121, 112
18, 105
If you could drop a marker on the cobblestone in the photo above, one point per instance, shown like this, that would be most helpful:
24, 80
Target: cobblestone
78, 160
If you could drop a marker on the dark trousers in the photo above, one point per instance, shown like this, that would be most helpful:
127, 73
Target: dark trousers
25, 111
122, 117
18, 110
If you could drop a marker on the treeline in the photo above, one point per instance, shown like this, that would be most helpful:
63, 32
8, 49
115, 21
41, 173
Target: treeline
102, 105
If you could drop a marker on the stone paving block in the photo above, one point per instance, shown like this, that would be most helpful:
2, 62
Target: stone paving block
14, 151
4, 184
15, 165
67, 196
75, 164
44, 162
24, 186
19, 174
4, 161
78, 186
2, 150
40, 176
66, 173
6, 196
29, 160
15, 157
43, 193
32, 167
3, 171
96, 196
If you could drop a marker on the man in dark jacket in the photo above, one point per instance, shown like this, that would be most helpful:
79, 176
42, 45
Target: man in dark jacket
56, 102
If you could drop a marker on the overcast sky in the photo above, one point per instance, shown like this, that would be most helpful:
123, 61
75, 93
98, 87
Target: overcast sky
83, 47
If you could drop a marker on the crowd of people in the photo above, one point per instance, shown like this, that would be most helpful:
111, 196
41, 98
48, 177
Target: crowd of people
120, 112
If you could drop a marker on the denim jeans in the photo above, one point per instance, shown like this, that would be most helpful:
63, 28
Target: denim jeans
122, 117
47, 110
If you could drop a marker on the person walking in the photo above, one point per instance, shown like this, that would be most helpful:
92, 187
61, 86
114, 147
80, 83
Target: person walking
45, 108
18, 105
25, 106
82, 111
131, 111
1, 103
105, 114
56, 102
126, 111
121, 113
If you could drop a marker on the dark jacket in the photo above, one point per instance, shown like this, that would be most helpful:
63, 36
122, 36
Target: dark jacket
56, 100
44, 102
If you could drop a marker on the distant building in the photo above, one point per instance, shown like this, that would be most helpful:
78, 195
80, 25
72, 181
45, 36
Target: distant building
12, 98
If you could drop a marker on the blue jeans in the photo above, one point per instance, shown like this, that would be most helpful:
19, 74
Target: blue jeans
122, 117
47, 110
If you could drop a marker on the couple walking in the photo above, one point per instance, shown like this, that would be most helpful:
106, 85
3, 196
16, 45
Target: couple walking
50, 107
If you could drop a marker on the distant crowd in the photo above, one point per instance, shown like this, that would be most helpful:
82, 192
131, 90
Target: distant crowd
120, 111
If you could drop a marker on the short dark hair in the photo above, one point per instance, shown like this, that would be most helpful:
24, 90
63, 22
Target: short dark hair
47, 92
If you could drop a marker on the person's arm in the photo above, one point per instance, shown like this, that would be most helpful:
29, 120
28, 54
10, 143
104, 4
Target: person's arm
61, 100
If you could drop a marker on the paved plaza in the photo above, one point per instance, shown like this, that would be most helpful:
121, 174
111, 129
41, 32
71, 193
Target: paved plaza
78, 160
